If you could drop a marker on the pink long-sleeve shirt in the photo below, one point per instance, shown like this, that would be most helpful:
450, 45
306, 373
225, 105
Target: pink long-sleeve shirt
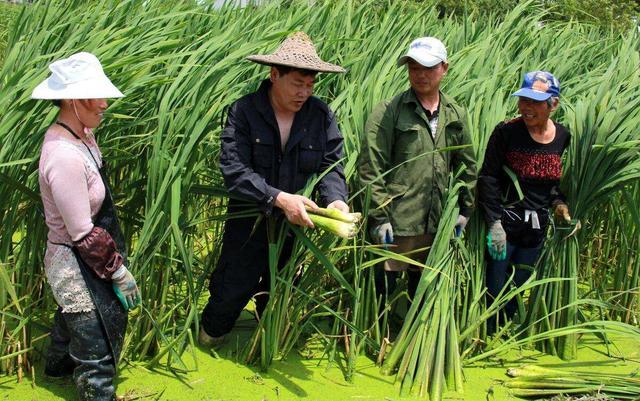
72, 193
70, 184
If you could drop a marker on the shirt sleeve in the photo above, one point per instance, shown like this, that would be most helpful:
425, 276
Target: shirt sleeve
375, 160
65, 173
235, 163
333, 185
99, 252
491, 174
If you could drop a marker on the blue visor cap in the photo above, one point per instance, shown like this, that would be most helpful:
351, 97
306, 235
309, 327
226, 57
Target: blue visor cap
539, 86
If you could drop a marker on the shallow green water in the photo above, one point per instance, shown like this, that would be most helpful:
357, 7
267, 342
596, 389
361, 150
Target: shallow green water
305, 375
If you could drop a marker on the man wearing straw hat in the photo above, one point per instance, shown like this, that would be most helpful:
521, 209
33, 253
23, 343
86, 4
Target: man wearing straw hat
404, 160
274, 140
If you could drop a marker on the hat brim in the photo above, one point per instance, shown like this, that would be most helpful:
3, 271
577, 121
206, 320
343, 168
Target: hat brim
430, 61
96, 88
532, 94
316, 65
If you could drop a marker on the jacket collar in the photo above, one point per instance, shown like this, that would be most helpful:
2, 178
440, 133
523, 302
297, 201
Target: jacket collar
263, 105
445, 106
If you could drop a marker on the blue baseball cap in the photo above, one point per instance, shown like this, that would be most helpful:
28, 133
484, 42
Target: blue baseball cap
539, 86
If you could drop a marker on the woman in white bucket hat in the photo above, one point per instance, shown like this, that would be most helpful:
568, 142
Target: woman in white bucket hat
85, 260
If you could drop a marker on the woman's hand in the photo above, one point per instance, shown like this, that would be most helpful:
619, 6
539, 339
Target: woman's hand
497, 241
125, 287
561, 212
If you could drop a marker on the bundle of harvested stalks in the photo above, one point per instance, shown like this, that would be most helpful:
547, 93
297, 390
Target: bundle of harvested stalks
594, 397
536, 381
342, 224
425, 354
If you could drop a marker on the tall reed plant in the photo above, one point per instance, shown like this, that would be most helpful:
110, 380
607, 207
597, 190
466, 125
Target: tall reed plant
181, 64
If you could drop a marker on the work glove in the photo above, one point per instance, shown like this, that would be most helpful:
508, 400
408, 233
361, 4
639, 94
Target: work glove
382, 234
561, 212
125, 287
497, 241
461, 223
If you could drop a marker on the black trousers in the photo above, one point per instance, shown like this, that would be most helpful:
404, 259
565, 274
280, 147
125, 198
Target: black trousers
242, 273
524, 245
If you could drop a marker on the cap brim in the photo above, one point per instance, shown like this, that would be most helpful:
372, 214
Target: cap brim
316, 65
429, 61
532, 94
98, 88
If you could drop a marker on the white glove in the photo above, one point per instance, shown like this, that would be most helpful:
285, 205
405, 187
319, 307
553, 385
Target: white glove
382, 234
497, 241
461, 223
125, 287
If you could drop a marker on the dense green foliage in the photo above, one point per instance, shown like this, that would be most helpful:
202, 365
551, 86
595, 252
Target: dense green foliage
8, 14
181, 64
618, 14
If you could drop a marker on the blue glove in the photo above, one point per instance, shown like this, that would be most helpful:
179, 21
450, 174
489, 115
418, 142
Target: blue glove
382, 234
497, 241
125, 287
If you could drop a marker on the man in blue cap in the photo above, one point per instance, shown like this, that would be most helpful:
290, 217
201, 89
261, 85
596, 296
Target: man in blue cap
530, 146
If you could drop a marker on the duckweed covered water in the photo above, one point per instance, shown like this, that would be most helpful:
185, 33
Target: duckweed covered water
307, 375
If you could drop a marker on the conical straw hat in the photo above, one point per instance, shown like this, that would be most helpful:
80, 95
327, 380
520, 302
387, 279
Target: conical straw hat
299, 52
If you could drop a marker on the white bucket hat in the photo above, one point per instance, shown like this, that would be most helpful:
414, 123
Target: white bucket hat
427, 51
77, 77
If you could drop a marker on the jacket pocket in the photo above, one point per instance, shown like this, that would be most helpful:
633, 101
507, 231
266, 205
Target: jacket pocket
407, 142
310, 154
262, 150
407, 145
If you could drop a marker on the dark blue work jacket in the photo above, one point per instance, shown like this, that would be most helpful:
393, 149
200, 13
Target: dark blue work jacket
256, 169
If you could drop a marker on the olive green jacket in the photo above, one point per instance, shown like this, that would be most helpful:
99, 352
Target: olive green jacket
409, 196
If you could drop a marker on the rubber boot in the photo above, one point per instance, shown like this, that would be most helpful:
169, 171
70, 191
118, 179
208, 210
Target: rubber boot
89, 350
58, 361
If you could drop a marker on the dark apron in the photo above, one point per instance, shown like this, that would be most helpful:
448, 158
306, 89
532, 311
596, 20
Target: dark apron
112, 315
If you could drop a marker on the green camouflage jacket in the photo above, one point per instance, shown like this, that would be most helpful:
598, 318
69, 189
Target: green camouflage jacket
397, 140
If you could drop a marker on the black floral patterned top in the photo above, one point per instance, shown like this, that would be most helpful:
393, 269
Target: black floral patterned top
537, 166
